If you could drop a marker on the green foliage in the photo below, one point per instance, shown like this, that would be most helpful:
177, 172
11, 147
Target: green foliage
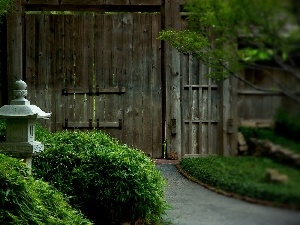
245, 176
5, 6
24, 200
109, 182
271, 135
215, 26
287, 125
42, 134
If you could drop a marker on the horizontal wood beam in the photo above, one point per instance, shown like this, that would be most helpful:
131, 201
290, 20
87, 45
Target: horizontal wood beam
92, 2
200, 86
201, 121
94, 91
92, 124
94, 8
257, 92
197, 155
259, 123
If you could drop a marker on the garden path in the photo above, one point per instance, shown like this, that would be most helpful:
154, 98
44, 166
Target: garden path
193, 204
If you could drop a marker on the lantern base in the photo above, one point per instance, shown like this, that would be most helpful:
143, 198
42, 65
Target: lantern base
22, 149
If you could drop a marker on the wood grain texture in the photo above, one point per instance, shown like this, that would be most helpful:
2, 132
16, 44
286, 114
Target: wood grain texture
110, 71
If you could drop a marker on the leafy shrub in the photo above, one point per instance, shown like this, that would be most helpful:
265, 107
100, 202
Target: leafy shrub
287, 125
110, 183
245, 176
24, 200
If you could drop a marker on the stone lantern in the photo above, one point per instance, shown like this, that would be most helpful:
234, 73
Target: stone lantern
20, 125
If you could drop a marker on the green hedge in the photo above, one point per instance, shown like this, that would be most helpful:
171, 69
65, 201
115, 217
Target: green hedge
24, 200
245, 176
110, 182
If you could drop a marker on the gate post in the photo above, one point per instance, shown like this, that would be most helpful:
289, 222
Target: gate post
172, 75
229, 116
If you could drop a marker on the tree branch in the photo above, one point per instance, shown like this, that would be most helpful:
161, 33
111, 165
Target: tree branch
293, 71
282, 90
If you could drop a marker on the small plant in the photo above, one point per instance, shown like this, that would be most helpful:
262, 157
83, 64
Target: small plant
165, 146
24, 200
111, 183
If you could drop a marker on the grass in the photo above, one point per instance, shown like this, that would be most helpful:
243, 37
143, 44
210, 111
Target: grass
246, 177
269, 134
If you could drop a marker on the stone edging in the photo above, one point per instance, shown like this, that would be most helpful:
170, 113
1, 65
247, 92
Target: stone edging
233, 195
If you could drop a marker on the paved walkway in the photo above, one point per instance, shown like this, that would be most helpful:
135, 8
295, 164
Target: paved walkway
193, 204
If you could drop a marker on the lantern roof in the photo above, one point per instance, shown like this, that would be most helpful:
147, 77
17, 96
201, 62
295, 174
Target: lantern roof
20, 107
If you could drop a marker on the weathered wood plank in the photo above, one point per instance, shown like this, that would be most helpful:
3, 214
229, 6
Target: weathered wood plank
146, 62
69, 70
108, 80
80, 76
128, 25
133, 2
185, 106
15, 25
31, 33
99, 33
58, 77
92, 2
3, 62
114, 102
96, 90
172, 62
189, 106
156, 94
92, 124
88, 65
229, 116
43, 87
137, 79
43, 2
79, 2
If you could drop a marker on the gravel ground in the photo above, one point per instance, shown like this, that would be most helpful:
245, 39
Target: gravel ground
193, 204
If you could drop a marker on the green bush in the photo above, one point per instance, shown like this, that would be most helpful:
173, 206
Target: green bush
111, 183
246, 176
24, 200
287, 125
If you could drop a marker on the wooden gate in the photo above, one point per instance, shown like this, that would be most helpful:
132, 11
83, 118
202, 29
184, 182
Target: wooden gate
106, 69
98, 71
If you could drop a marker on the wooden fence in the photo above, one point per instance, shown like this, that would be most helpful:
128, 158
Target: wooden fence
258, 108
103, 67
